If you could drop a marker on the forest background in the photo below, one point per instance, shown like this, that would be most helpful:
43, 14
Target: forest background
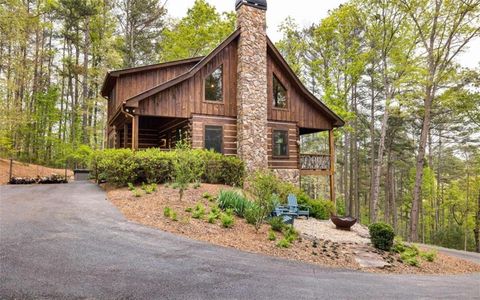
409, 154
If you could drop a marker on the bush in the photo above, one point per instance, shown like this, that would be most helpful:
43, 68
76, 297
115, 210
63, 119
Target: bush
233, 200
382, 235
321, 209
212, 217
121, 166
136, 193
253, 214
154, 165
429, 256
174, 216
167, 212
131, 187
290, 233
117, 166
276, 223
198, 212
271, 235
284, 243
263, 185
227, 221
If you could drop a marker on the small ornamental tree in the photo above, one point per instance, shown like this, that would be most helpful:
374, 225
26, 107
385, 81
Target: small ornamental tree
187, 166
262, 186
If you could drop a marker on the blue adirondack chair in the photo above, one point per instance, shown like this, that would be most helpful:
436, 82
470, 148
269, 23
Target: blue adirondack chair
294, 208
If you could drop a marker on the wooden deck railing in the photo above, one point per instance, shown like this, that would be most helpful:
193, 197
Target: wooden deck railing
314, 162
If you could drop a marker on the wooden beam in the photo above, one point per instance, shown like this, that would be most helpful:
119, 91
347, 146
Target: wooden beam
135, 125
331, 138
315, 172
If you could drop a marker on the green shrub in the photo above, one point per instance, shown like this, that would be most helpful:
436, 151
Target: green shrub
284, 243
227, 221
150, 188
207, 196
196, 185
174, 216
233, 200
198, 212
382, 235
263, 185
429, 255
131, 187
271, 235
121, 166
154, 165
253, 214
167, 212
117, 166
321, 209
290, 233
215, 210
212, 217
136, 193
276, 223
188, 209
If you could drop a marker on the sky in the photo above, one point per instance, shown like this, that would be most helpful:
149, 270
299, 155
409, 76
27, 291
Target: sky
305, 12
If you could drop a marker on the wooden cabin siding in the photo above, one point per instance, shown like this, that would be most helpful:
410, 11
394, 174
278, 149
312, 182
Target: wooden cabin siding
229, 126
299, 109
290, 162
187, 97
129, 85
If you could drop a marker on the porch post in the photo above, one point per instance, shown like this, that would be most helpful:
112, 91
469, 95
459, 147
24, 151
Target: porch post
135, 132
331, 138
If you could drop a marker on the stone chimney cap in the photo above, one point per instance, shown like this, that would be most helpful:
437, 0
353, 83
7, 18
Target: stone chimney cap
260, 4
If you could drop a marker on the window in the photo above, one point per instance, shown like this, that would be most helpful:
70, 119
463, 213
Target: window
214, 86
279, 94
280, 143
214, 138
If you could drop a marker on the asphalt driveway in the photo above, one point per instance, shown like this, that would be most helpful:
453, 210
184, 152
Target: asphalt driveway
68, 242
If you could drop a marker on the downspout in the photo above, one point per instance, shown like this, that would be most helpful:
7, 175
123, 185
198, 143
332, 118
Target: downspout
132, 117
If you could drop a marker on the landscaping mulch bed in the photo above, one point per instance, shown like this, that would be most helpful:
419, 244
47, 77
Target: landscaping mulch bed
148, 210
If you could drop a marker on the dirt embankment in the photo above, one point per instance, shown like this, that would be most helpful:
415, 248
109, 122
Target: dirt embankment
323, 250
26, 170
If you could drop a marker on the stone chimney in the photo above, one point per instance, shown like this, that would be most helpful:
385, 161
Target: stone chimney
252, 96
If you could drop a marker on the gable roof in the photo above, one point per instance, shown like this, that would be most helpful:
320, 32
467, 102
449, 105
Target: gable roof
111, 77
279, 58
276, 55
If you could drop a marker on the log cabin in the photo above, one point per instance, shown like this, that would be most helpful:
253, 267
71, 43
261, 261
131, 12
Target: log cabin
241, 99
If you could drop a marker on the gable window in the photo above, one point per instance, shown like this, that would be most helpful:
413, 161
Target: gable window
279, 94
214, 85
280, 143
214, 138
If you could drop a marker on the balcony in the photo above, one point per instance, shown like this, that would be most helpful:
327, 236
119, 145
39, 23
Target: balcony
315, 164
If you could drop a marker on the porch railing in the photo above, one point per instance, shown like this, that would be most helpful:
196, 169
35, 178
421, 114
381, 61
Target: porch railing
314, 162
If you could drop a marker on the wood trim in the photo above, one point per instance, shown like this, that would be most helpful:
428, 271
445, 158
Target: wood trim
331, 138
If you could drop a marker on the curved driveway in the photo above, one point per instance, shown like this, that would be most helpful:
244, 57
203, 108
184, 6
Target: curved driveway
68, 242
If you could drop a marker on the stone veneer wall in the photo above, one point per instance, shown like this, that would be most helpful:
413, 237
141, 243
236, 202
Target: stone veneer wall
252, 88
288, 175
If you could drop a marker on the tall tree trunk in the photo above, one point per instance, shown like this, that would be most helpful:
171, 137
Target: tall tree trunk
477, 225
417, 190
85, 91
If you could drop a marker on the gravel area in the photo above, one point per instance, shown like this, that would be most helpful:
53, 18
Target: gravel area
326, 230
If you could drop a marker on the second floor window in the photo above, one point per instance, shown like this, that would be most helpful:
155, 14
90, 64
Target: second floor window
279, 94
214, 85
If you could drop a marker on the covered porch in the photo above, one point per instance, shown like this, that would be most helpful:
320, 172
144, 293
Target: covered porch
142, 132
317, 158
